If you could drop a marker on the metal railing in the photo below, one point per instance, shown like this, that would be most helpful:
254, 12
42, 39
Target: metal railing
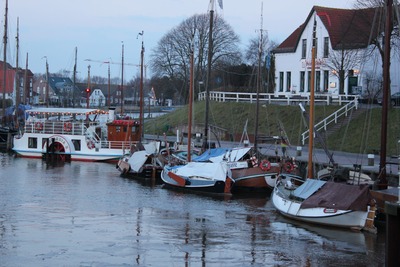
56, 127
287, 99
333, 118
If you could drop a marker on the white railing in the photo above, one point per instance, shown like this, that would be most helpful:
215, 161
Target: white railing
333, 118
288, 99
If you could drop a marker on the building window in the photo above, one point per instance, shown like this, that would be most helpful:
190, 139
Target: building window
288, 81
281, 81
318, 81
304, 48
302, 80
326, 80
326, 47
308, 81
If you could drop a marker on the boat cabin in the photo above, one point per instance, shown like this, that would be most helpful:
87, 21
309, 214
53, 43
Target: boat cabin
127, 130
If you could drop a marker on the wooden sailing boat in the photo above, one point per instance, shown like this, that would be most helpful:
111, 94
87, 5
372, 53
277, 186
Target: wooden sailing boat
200, 176
146, 159
256, 175
322, 202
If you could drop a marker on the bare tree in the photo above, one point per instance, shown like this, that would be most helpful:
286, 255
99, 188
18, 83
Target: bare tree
369, 3
253, 48
252, 57
341, 60
378, 26
170, 58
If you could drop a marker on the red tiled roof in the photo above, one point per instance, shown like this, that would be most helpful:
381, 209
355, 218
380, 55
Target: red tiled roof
348, 28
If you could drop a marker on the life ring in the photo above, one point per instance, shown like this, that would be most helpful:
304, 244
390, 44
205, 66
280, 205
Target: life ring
265, 165
288, 166
38, 126
67, 126
90, 144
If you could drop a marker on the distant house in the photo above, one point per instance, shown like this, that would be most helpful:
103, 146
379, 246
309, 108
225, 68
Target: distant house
96, 99
342, 36
61, 91
25, 88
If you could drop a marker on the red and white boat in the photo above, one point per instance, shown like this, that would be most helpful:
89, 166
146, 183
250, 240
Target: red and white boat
68, 134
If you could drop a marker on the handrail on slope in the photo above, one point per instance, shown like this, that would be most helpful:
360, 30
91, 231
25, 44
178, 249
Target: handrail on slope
333, 118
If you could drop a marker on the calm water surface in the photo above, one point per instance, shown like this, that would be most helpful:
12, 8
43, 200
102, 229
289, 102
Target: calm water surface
85, 214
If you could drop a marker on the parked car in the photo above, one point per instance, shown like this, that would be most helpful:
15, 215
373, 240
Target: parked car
394, 99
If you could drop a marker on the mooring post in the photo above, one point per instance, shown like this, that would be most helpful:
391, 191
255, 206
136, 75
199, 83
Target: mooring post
392, 210
9, 141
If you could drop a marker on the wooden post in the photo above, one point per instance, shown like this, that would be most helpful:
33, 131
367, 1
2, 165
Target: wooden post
392, 210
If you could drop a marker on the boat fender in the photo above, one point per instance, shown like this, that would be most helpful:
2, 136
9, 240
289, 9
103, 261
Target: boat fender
254, 161
265, 165
67, 126
288, 166
38, 126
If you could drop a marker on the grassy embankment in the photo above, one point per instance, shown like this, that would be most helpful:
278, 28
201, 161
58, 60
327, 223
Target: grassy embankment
361, 135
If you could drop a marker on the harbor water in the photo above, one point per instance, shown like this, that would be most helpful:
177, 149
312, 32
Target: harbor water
86, 214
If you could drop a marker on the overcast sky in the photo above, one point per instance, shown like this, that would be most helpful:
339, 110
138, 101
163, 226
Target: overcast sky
53, 28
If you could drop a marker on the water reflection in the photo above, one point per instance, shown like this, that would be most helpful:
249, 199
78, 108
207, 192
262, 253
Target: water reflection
85, 214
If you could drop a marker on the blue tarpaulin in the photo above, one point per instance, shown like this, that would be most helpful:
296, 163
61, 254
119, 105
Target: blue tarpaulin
309, 187
21, 110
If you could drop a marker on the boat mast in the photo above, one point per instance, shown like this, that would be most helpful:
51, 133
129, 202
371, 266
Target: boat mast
190, 101
208, 84
141, 89
259, 81
122, 81
47, 83
17, 83
109, 85
385, 94
26, 92
311, 120
74, 78
5, 58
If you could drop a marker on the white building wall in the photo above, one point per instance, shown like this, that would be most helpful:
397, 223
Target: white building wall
368, 72
97, 98
371, 72
292, 64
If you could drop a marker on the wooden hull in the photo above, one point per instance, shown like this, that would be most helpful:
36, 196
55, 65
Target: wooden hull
252, 179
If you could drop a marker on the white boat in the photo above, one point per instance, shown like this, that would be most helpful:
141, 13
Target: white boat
146, 160
206, 177
248, 172
68, 134
324, 203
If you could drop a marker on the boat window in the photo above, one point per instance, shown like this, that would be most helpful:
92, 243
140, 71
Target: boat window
32, 142
118, 129
77, 144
